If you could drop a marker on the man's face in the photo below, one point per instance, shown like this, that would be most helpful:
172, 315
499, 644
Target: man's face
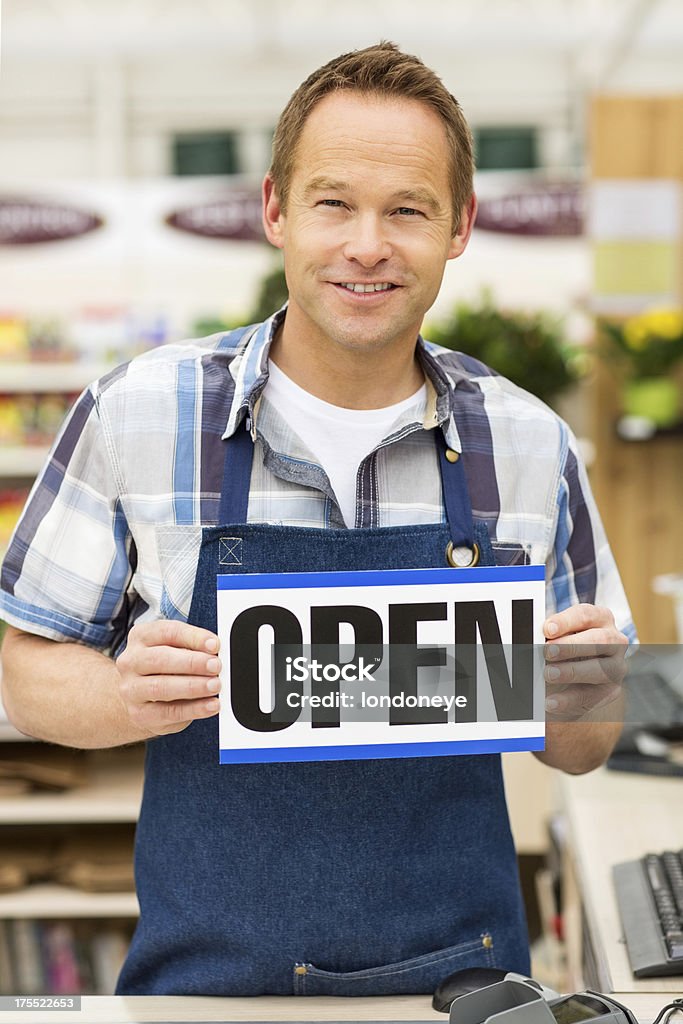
367, 228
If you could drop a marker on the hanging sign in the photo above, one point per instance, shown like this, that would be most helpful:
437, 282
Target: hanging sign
396, 663
235, 216
549, 210
27, 221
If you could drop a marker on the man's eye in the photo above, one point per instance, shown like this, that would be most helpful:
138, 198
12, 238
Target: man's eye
408, 211
331, 202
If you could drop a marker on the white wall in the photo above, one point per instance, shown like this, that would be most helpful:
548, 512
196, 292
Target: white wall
96, 91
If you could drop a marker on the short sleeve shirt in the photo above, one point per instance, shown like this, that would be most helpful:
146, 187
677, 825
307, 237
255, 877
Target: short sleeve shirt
112, 528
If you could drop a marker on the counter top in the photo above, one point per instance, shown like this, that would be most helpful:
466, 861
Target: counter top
196, 1009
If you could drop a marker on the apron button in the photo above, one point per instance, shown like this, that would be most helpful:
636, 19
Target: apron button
487, 941
451, 455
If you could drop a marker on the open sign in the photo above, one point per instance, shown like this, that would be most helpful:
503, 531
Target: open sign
396, 663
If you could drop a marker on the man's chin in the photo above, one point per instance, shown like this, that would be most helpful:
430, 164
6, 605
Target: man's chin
369, 333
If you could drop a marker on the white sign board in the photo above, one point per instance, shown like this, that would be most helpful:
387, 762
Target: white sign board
392, 663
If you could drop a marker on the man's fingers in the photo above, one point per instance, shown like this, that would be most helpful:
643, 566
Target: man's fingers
153, 661
578, 619
573, 702
170, 633
174, 715
586, 671
166, 689
169, 675
594, 643
585, 663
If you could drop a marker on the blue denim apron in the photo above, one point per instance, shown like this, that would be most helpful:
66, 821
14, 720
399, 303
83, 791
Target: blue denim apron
350, 878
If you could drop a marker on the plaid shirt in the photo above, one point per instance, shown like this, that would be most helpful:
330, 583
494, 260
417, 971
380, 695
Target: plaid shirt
112, 528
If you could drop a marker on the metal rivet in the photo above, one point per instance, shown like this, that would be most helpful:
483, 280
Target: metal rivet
487, 941
301, 969
451, 455
461, 565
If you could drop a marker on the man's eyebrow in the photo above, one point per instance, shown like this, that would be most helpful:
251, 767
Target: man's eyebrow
421, 196
323, 184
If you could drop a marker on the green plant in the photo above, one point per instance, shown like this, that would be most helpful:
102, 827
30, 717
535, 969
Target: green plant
528, 348
271, 295
647, 345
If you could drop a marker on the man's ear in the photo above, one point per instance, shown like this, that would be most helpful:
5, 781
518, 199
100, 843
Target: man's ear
462, 235
272, 213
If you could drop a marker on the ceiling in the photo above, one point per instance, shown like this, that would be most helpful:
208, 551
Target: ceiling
596, 39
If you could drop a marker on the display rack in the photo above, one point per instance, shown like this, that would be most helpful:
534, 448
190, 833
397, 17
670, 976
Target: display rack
111, 795
113, 791
32, 377
26, 460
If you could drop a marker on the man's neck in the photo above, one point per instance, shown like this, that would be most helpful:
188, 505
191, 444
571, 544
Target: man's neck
350, 379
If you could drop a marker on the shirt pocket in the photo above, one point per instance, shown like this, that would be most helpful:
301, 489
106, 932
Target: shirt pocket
420, 974
178, 550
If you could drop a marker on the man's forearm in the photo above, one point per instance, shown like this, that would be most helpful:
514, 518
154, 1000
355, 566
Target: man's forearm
64, 693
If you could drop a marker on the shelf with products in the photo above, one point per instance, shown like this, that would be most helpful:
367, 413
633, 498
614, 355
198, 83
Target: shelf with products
66, 882
21, 461
111, 790
34, 400
57, 902
47, 956
46, 361
50, 377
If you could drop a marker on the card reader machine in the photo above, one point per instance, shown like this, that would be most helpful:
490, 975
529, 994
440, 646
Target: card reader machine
518, 1000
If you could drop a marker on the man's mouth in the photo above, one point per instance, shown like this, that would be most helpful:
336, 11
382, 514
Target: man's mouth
380, 286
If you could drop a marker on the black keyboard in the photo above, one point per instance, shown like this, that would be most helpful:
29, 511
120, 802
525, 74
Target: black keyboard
650, 899
651, 700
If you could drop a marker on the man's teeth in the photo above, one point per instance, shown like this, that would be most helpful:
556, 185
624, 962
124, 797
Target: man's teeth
366, 287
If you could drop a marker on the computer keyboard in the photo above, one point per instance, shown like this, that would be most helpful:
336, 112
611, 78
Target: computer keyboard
650, 899
651, 700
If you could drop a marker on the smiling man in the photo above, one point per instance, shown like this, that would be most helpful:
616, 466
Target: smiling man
367, 223
332, 435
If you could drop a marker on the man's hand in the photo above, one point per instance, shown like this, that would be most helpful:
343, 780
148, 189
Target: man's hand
169, 676
585, 658
585, 664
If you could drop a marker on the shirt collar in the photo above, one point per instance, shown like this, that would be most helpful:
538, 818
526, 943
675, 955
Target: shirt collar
249, 371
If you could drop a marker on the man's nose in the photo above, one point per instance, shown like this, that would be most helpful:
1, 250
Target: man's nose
367, 243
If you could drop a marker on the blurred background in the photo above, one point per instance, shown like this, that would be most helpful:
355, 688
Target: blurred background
134, 135
133, 138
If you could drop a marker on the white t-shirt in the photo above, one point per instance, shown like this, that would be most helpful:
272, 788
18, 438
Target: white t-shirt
339, 438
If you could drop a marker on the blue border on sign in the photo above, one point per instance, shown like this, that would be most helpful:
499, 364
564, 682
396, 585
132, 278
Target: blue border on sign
365, 751
381, 577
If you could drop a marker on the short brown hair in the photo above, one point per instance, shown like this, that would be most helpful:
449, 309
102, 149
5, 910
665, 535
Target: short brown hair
380, 70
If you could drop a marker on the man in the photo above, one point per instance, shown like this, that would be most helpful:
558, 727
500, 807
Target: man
329, 437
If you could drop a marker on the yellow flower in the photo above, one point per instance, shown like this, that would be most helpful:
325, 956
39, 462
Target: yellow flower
636, 333
664, 324
667, 323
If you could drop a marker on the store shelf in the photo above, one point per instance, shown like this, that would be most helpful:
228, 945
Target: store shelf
112, 794
49, 377
47, 900
22, 460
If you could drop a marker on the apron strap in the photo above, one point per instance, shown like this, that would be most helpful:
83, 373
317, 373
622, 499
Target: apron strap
456, 495
456, 499
239, 455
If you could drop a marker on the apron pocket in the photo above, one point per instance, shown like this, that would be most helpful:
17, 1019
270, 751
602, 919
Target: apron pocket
419, 975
